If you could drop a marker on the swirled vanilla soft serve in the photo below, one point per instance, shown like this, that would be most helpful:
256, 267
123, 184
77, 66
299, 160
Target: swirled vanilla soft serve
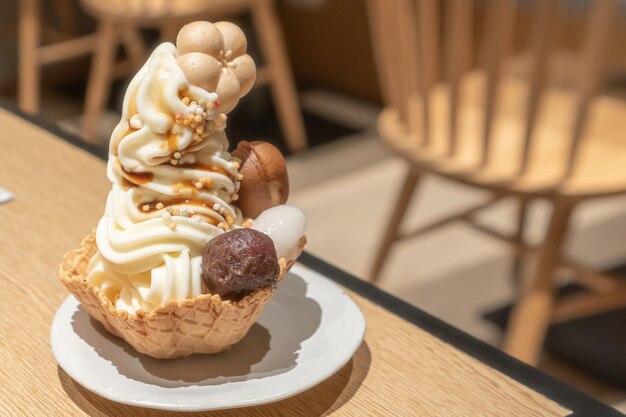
174, 181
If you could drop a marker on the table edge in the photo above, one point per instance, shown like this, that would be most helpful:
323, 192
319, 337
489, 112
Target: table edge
580, 404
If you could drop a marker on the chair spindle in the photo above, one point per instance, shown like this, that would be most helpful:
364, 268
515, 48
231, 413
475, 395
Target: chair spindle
458, 18
498, 39
428, 36
593, 60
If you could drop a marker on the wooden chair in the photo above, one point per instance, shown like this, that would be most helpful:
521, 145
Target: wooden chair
515, 138
61, 46
118, 19
33, 55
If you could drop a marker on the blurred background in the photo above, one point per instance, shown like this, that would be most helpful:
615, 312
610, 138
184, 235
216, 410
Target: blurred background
515, 108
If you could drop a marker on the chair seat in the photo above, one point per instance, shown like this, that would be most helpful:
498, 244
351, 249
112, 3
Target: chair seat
148, 12
600, 167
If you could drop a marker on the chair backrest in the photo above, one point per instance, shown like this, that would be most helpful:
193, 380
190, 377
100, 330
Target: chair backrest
146, 10
421, 43
128, 8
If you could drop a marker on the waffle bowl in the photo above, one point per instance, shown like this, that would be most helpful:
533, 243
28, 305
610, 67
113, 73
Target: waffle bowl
204, 324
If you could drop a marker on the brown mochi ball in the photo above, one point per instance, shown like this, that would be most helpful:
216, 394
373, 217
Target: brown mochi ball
265, 183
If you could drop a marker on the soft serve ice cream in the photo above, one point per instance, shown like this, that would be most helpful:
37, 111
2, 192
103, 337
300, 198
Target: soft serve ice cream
175, 185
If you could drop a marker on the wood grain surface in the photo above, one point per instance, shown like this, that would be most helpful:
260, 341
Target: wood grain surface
60, 195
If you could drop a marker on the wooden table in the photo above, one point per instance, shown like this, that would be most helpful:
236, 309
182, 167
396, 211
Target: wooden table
409, 364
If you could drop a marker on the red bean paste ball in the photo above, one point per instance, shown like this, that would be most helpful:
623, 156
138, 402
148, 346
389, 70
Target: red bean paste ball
238, 262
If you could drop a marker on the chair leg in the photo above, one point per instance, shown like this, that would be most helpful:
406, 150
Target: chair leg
67, 14
391, 233
29, 34
99, 82
134, 45
282, 84
531, 315
519, 255
169, 30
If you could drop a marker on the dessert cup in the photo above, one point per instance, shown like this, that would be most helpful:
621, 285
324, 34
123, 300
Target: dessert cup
203, 324
147, 273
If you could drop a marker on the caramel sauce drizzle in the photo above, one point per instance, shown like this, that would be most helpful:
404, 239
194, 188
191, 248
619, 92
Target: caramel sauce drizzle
208, 168
172, 142
128, 184
185, 187
152, 207
138, 178
174, 202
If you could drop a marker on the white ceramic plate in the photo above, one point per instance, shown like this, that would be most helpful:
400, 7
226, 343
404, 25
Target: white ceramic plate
307, 332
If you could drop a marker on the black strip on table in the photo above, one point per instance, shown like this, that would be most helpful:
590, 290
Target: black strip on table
580, 404
100, 152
